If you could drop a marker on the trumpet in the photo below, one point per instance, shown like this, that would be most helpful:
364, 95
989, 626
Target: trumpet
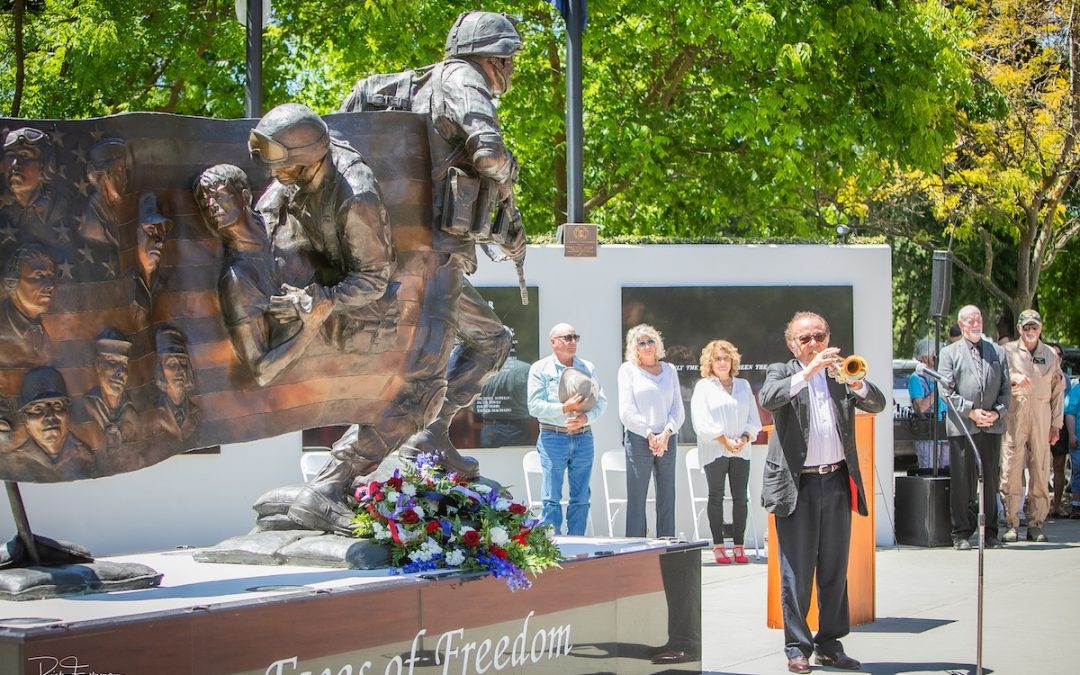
850, 369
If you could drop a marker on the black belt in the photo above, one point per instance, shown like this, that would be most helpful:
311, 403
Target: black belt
564, 430
822, 468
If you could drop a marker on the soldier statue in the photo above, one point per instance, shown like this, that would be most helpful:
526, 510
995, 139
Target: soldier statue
473, 175
324, 207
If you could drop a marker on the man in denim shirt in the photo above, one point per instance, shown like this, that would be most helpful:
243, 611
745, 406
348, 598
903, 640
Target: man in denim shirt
565, 443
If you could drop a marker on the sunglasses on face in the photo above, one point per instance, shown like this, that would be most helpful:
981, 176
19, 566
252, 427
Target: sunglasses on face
1030, 326
648, 342
816, 337
573, 337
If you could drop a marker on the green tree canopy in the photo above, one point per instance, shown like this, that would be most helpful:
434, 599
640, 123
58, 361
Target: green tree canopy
1006, 193
702, 117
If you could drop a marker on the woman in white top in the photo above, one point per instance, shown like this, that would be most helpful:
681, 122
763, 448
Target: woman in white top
725, 416
651, 410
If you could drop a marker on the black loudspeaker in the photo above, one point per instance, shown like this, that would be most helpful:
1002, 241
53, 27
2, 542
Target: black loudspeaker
922, 511
940, 284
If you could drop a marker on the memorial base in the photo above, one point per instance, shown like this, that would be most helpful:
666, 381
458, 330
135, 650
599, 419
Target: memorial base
601, 612
922, 511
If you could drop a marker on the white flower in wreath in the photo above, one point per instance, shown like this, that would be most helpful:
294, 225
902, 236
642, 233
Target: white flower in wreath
502, 504
455, 558
418, 511
499, 536
483, 489
409, 489
392, 496
381, 532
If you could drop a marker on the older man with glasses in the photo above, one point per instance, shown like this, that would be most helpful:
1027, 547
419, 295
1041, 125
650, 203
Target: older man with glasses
978, 373
1032, 425
812, 483
565, 442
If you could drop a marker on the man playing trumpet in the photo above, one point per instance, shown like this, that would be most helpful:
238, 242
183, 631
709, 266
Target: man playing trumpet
812, 483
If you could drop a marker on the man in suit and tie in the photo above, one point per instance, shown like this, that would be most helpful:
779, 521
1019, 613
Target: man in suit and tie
978, 373
812, 483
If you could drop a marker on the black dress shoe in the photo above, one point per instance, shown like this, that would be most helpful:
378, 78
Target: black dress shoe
839, 660
656, 651
672, 656
992, 542
798, 664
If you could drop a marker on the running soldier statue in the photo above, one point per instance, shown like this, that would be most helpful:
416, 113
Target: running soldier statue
473, 175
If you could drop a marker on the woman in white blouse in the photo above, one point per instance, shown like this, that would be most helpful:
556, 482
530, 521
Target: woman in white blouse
725, 416
651, 410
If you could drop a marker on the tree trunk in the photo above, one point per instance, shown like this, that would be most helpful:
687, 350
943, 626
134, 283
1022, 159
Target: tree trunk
18, 14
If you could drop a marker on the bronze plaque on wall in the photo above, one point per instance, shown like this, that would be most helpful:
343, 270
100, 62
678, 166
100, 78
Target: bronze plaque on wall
579, 240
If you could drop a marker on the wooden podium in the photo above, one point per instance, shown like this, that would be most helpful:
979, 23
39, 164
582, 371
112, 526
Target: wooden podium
861, 560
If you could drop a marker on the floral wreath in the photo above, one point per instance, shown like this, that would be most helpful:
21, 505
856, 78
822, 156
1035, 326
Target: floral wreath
433, 520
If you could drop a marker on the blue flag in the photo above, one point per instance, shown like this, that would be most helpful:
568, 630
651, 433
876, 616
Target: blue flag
564, 8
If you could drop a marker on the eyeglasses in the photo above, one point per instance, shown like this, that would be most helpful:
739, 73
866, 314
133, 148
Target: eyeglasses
649, 342
1030, 326
573, 337
816, 337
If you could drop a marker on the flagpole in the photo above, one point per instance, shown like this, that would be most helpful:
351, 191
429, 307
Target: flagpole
253, 89
575, 193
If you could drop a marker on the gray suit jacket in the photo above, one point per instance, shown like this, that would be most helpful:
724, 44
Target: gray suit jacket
971, 386
788, 443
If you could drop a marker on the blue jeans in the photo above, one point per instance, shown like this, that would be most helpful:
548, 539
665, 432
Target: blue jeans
566, 454
640, 465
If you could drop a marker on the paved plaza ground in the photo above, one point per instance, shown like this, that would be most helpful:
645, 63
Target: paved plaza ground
926, 610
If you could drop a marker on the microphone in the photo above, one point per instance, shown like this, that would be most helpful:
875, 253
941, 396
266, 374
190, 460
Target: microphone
923, 369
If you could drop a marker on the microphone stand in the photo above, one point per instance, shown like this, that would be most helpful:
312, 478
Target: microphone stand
980, 488
935, 430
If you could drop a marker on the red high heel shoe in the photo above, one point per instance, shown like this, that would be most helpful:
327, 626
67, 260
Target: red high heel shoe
740, 555
721, 555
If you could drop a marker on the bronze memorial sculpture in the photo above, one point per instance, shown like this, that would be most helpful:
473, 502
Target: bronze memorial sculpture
473, 174
151, 310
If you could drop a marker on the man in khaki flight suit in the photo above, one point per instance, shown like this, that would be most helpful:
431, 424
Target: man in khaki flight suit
1032, 425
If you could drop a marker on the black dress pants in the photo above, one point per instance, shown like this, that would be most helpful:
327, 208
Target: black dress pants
963, 484
737, 471
816, 538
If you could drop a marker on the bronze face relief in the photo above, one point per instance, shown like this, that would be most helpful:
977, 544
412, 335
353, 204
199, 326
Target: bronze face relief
176, 315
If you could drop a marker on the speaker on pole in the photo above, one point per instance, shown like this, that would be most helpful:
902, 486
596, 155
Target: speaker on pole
940, 284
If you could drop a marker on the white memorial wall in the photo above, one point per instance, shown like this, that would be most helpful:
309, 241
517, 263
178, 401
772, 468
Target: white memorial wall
200, 499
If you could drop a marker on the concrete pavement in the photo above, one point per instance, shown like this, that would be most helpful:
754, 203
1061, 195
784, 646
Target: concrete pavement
926, 608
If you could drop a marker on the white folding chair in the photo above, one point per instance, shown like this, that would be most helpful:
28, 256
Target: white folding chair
312, 460
614, 461
530, 464
699, 505
694, 475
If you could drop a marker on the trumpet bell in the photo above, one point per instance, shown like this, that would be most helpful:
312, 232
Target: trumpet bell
851, 369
